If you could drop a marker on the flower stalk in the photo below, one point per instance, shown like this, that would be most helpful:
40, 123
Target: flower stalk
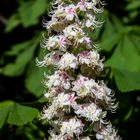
77, 99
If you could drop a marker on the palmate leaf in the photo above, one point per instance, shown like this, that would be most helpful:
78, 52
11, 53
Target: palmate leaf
133, 5
25, 53
16, 114
13, 22
125, 56
5, 108
33, 80
126, 80
123, 45
125, 65
30, 11
35, 75
111, 35
28, 14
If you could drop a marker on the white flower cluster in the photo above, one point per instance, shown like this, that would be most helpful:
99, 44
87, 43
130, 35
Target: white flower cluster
75, 100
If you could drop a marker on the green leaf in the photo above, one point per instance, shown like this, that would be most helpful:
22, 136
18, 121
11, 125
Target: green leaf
127, 81
33, 80
16, 114
136, 41
133, 5
30, 11
23, 58
125, 56
21, 115
18, 48
5, 107
118, 25
13, 22
110, 36
129, 114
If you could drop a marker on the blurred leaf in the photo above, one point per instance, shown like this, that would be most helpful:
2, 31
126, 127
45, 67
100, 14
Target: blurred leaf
18, 48
117, 24
136, 41
110, 42
127, 81
23, 58
21, 115
133, 5
16, 114
129, 114
13, 22
5, 107
30, 11
33, 80
125, 56
110, 36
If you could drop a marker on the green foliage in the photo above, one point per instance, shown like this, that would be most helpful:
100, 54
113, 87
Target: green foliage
24, 53
119, 41
28, 14
16, 114
29, 11
13, 22
123, 53
33, 80
126, 80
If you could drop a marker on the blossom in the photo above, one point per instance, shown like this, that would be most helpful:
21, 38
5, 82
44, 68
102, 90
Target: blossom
85, 138
83, 86
105, 94
72, 126
74, 32
70, 12
58, 79
75, 95
91, 21
90, 58
50, 112
90, 111
50, 59
68, 61
65, 99
83, 5
107, 133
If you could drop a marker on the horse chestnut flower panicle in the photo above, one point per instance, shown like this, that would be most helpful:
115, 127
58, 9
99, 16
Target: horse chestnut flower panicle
75, 100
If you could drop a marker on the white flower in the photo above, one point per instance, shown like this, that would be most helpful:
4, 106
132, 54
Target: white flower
49, 59
68, 61
58, 79
72, 126
91, 21
54, 91
56, 42
63, 43
59, 12
105, 94
90, 111
74, 32
65, 99
83, 86
70, 12
84, 5
55, 25
71, 95
50, 112
107, 133
90, 58
51, 43
59, 137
